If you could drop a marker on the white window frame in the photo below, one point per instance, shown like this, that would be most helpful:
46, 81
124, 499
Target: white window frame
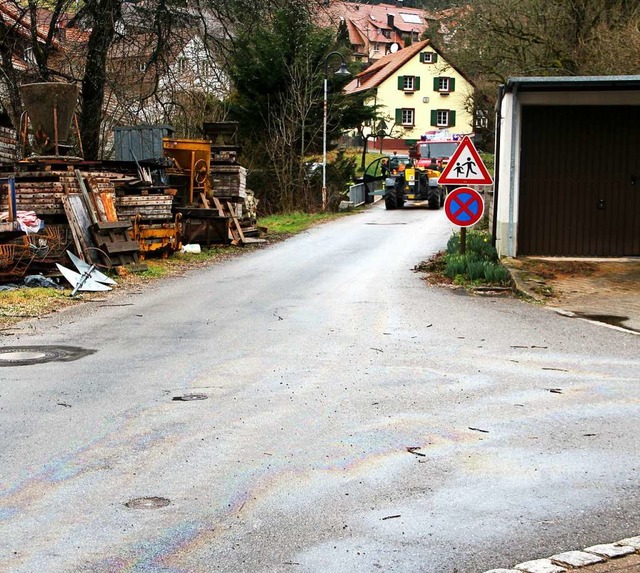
408, 117
444, 85
428, 58
183, 65
442, 118
28, 56
409, 83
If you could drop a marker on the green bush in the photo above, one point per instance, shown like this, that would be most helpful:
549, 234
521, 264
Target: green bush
475, 270
479, 263
455, 265
496, 273
480, 245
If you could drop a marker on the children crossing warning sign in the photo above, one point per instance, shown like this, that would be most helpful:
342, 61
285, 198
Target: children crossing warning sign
465, 167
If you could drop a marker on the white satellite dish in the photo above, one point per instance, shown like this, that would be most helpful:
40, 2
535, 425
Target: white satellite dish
394, 48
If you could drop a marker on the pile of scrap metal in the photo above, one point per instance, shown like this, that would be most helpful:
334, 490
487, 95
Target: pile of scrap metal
113, 213
216, 205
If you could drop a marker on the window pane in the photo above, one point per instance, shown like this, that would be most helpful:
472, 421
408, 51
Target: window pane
443, 118
407, 117
408, 83
443, 84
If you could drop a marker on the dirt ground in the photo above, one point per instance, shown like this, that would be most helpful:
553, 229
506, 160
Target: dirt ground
606, 290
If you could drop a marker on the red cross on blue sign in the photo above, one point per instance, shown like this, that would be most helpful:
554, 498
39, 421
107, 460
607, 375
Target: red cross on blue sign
464, 206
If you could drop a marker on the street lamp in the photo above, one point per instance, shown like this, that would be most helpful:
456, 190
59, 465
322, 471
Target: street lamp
342, 71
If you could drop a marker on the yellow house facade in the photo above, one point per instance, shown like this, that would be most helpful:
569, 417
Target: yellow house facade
418, 92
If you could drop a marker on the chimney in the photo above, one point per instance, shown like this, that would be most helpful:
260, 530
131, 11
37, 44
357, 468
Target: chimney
390, 19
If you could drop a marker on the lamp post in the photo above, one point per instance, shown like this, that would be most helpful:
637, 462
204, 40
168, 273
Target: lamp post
342, 71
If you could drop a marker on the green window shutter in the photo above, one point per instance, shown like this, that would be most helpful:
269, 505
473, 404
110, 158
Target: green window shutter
400, 82
452, 84
422, 57
435, 57
416, 83
434, 117
452, 118
436, 84
399, 116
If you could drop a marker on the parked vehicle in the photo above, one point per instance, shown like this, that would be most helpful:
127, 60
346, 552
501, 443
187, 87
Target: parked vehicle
413, 184
435, 147
398, 162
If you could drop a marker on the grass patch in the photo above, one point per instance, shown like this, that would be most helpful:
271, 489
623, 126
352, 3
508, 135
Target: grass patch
17, 305
292, 223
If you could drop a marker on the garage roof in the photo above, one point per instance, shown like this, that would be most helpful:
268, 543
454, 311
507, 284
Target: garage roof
573, 83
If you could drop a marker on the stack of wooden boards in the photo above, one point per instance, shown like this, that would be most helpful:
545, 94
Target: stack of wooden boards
150, 208
8, 145
98, 234
55, 193
122, 210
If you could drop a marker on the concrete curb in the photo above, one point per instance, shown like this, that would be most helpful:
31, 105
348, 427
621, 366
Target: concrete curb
572, 560
521, 286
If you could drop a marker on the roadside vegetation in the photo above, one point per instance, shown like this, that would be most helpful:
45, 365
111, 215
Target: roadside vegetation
291, 223
478, 267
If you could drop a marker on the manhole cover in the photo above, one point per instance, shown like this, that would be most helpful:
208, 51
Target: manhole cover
189, 397
148, 503
26, 355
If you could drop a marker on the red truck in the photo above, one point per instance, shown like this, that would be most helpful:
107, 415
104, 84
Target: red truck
437, 146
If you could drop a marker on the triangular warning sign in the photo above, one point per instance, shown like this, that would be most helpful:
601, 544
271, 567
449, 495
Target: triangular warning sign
465, 167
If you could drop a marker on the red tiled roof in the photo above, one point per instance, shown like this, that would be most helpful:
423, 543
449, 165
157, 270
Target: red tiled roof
375, 74
20, 21
369, 20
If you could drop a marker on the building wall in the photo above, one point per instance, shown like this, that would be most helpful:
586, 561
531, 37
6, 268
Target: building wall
426, 99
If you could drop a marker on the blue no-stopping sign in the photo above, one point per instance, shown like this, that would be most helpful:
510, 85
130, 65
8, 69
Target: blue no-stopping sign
464, 206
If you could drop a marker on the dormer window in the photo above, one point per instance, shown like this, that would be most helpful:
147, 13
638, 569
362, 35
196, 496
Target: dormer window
428, 57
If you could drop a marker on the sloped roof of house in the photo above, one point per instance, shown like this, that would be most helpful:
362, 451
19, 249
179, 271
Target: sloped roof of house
405, 19
19, 20
383, 68
366, 21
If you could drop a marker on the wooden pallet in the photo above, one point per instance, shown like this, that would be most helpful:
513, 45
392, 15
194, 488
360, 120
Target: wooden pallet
227, 209
111, 238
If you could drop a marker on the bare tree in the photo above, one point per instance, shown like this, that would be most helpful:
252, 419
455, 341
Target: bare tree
496, 39
29, 41
502, 38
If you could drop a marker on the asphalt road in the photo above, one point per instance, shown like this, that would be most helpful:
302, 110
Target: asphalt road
356, 420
